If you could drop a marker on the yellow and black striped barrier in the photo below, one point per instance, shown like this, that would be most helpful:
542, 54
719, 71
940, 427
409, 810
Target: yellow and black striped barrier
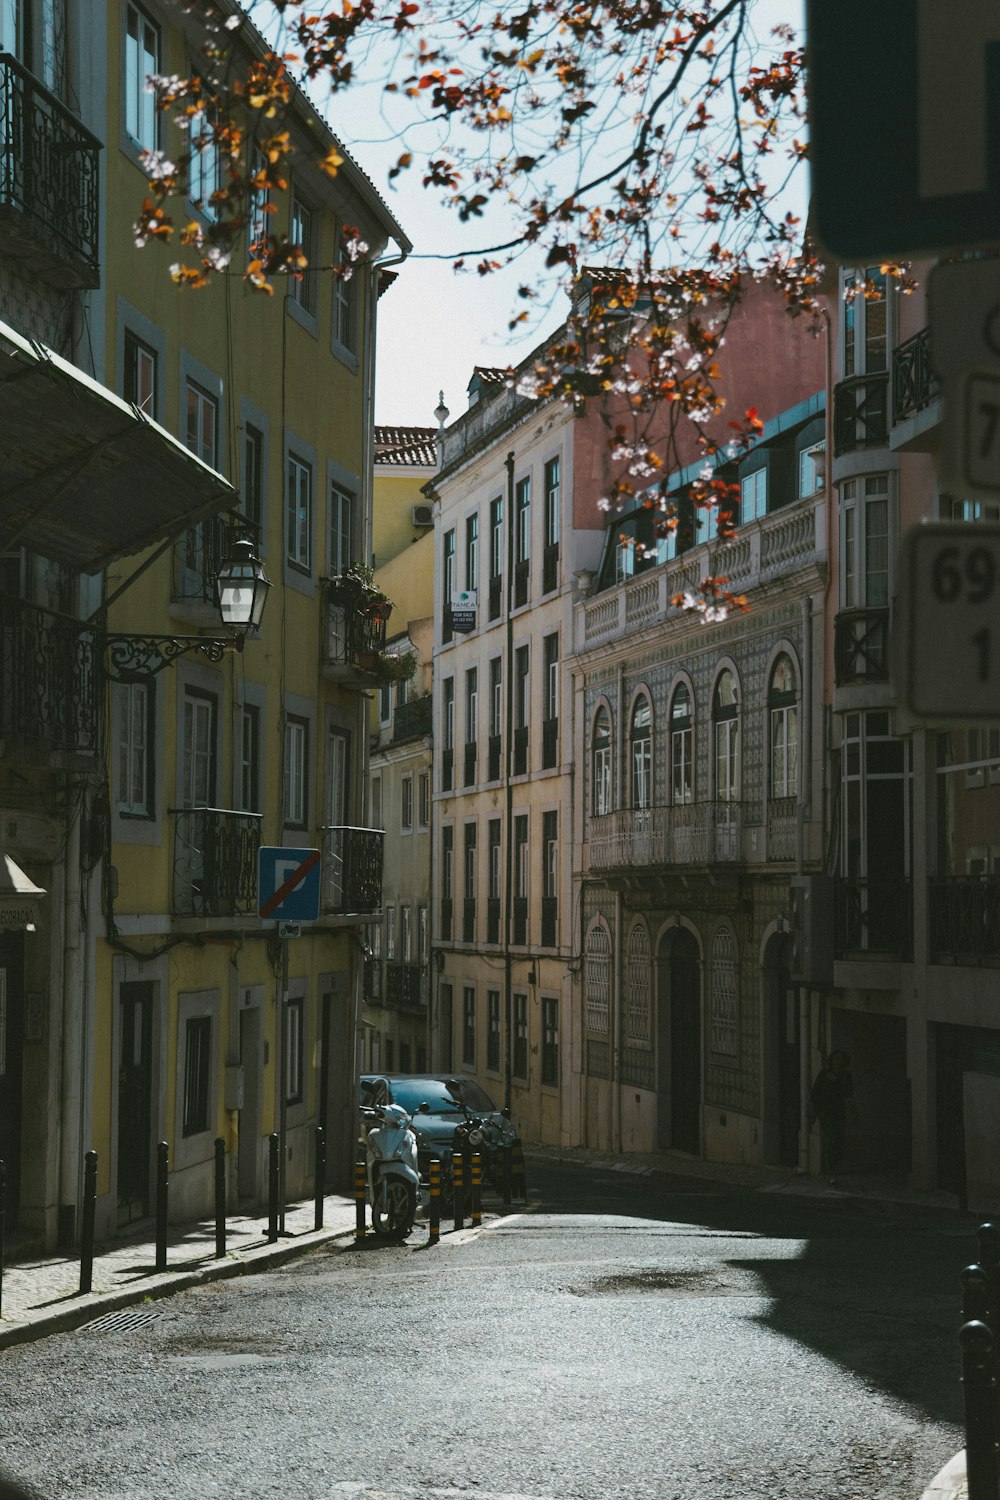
359, 1200
477, 1190
458, 1189
434, 1176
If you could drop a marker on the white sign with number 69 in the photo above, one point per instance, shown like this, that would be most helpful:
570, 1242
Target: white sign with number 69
946, 637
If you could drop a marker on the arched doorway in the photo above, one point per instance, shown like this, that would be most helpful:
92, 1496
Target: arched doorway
678, 1080
782, 1052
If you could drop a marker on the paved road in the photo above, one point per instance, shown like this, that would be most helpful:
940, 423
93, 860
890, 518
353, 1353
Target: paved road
622, 1339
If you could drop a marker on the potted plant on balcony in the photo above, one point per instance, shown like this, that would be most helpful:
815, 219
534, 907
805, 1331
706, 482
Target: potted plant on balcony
365, 605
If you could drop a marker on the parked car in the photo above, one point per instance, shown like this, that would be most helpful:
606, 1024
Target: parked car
451, 1102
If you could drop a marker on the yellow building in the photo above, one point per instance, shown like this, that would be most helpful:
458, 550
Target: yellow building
154, 1013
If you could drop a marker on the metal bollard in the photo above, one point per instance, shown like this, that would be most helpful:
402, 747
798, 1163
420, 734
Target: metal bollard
506, 1173
975, 1295
220, 1198
320, 1176
458, 1189
162, 1190
434, 1177
360, 1184
980, 1411
988, 1240
517, 1168
477, 1190
87, 1227
273, 1185
3, 1223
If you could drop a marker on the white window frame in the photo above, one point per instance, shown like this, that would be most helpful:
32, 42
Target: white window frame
298, 512
296, 772
140, 113
134, 748
753, 495
860, 498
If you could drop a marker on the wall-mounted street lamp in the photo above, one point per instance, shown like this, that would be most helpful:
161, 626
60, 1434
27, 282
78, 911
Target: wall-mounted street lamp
240, 593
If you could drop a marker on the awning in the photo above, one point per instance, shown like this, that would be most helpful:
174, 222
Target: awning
84, 477
19, 896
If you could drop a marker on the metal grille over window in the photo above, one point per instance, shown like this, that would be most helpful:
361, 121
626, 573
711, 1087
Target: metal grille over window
637, 1008
725, 993
598, 980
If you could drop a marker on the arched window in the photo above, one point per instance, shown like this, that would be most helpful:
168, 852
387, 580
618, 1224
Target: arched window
726, 721
725, 993
783, 724
637, 986
597, 980
601, 764
641, 737
681, 747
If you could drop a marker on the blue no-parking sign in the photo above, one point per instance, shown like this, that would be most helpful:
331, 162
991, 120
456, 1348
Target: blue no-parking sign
288, 884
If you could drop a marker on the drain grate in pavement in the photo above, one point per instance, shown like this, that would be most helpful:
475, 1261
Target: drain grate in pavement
123, 1319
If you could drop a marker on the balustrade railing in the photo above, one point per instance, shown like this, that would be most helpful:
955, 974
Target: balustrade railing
861, 646
355, 626
412, 719
403, 987
51, 680
964, 918
914, 384
351, 870
215, 861
782, 820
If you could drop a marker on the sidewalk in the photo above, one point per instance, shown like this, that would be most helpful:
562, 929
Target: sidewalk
41, 1293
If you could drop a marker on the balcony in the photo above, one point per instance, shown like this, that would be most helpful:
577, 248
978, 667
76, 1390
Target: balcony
521, 750
353, 642
522, 573
352, 870
198, 555
873, 917
447, 910
371, 981
48, 183
860, 415
51, 683
550, 925
412, 720
215, 862
403, 987
469, 920
493, 919
520, 936
469, 769
964, 919
550, 744
496, 596
654, 838
493, 748
782, 822
447, 770
914, 385
550, 568
861, 646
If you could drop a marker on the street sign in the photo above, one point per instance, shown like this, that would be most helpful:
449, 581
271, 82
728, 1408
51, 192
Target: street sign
904, 104
946, 639
288, 884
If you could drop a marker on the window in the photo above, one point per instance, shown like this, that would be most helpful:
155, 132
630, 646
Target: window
469, 913
496, 556
301, 232
472, 553
601, 765
521, 871
681, 747
345, 303
197, 1074
471, 719
260, 208
864, 322
142, 61
447, 583
550, 877
865, 542
447, 876
390, 933
597, 980
294, 1049
496, 716
423, 936
298, 513
783, 717
250, 798
522, 520
252, 498
204, 173
198, 756
376, 786
296, 772
725, 715
520, 1060
493, 1031
448, 740
469, 1027
406, 804
725, 991
550, 560
406, 933
494, 878
134, 754
812, 470
753, 493
637, 987
140, 374
341, 530
423, 800
550, 1042
550, 709
522, 707
202, 424
641, 738
969, 510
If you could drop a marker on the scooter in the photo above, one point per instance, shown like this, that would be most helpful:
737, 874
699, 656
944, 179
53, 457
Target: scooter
391, 1157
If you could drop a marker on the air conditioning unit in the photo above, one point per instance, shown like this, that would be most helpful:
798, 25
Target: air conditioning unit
422, 515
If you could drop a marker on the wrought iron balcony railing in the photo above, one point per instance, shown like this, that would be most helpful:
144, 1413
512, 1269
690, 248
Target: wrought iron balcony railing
550, 744
49, 198
914, 384
493, 750
873, 916
860, 416
550, 568
687, 833
469, 920
51, 681
352, 870
447, 909
371, 981
522, 573
493, 919
521, 750
496, 596
782, 820
550, 914
403, 985
412, 720
520, 920
199, 554
215, 861
861, 646
469, 776
964, 919
354, 638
